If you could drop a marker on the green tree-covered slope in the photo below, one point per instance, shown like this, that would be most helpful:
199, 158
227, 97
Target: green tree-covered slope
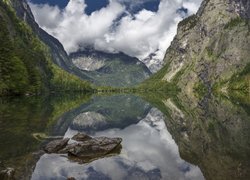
25, 62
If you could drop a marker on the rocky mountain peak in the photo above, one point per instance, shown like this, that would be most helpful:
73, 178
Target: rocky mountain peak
210, 47
238, 7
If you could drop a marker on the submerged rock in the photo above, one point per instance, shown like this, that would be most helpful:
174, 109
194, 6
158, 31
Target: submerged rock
86, 148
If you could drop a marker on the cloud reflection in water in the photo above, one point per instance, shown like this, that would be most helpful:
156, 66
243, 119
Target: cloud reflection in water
149, 152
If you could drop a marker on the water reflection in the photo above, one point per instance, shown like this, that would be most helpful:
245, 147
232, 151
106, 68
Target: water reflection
149, 151
212, 132
103, 112
168, 138
20, 119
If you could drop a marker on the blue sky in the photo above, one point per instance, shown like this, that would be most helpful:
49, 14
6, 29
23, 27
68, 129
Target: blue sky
93, 5
60, 3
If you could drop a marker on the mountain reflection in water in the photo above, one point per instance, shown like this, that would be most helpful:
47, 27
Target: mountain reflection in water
163, 138
149, 152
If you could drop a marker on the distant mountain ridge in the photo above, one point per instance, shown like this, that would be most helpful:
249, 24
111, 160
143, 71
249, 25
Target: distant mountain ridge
107, 69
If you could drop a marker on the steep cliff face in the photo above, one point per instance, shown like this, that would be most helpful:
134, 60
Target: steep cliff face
211, 48
106, 69
23, 11
59, 55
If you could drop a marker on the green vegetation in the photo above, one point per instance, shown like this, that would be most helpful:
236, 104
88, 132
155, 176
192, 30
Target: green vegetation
200, 89
235, 22
241, 81
189, 22
63, 81
156, 83
237, 87
210, 52
25, 62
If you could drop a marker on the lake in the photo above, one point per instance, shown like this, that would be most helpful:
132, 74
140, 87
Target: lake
163, 137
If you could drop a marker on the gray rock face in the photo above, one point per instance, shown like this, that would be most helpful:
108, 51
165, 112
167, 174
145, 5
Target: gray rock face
242, 7
57, 145
211, 46
81, 137
94, 147
85, 148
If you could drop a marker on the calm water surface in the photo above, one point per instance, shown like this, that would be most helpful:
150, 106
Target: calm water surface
162, 139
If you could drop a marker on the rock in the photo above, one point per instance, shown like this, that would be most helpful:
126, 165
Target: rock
95, 147
55, 146
81, 137
66, 149
85, 148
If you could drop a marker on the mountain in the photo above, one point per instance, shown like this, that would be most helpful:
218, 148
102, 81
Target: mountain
59, 55
26, 65
106, 69
211, 50
123, 73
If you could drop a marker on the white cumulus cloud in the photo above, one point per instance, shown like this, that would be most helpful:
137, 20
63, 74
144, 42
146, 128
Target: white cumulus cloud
145, 35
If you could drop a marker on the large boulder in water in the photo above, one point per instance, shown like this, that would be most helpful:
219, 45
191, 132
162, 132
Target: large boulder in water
85, 147
56, 145
94, 147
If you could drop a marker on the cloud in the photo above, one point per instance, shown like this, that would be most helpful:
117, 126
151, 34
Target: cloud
114, 29
72, 26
